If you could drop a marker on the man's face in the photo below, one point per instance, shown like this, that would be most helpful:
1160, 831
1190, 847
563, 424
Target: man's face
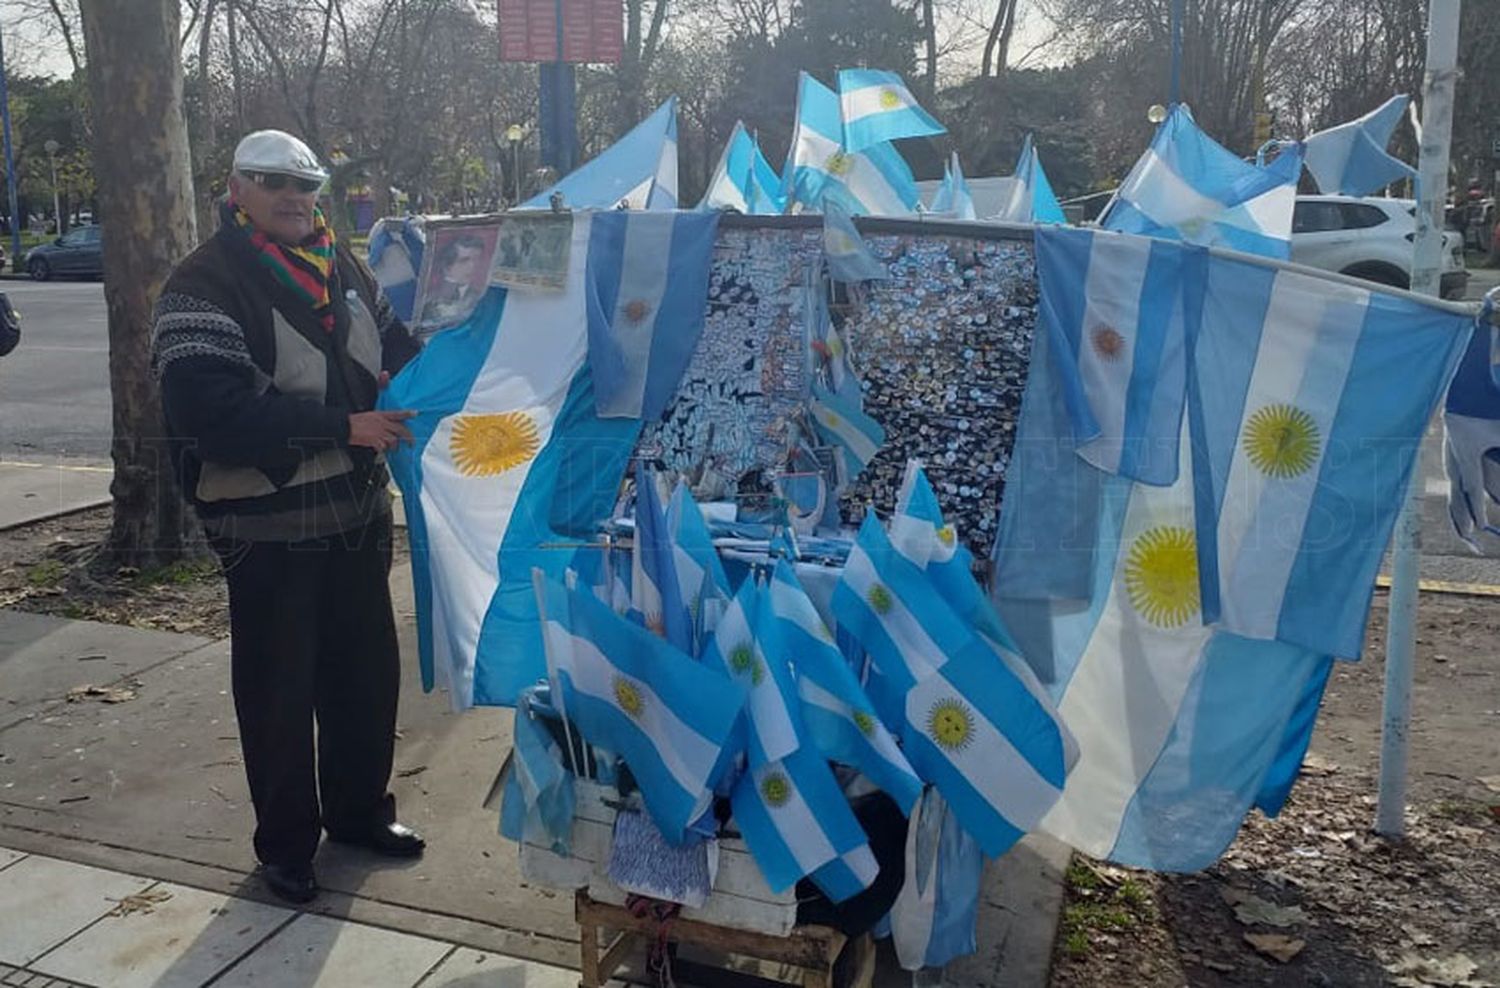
461, 270
284, 214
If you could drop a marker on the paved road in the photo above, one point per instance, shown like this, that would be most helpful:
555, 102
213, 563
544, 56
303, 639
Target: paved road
54, 388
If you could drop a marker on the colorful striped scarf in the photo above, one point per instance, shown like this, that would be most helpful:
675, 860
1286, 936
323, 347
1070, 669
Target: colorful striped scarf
305, 269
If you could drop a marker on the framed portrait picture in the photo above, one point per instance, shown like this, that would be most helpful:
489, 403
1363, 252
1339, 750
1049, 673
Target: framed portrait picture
455, 272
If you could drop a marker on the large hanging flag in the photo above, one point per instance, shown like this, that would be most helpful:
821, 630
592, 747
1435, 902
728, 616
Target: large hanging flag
1031, 197
502, 409
646, 312
840, 719
874, 180
1188, 187
877, 107
1310, 401
1114, 306
639, 170
1351, 159
743, 180
629, 691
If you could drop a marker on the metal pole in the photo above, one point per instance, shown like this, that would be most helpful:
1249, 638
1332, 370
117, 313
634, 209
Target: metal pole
56, 203
1174, 91
515, 167
1432, 193
10, 165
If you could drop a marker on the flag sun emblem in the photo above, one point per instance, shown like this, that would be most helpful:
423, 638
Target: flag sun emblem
1161, 575
484, 445
742, 662
947, 536
880, 599
1107, 343
628, 696
889, 99
775, 789
950, 724
864, 722
1282, 440
839, 163
636, 311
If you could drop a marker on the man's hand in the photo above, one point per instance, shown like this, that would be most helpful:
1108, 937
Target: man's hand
379, 430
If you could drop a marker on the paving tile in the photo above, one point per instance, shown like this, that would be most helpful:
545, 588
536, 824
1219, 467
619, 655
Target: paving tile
180, 942
43, 901
322, 952
467, 968
9, 857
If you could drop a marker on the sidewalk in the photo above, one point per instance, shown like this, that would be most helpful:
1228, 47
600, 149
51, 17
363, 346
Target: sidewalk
64, 924
36, 489
150, 789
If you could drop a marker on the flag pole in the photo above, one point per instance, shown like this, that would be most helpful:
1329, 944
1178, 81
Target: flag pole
1432, 188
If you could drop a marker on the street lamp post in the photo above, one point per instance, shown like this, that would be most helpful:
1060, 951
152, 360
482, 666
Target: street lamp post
515, 134
51, 148
10, 166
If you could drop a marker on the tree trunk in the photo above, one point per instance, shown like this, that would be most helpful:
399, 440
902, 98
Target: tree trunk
135, 79
929, 41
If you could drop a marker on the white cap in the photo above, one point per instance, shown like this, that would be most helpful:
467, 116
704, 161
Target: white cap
279, 152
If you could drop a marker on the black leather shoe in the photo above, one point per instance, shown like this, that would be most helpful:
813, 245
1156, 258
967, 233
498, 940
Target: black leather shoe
392, 840
293, 883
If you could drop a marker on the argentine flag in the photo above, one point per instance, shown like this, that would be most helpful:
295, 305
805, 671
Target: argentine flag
1188, 187
395, 255
647, 312
874, 181
506, 415
1031, 197
639, 170
736, 650
789, 808
848, 256
1180, 727
842, 423
1471, 442
743, 180
953, 197
878, 107
700, 573
840, 719
1351, 159
1113, 307
626, 690
655, 590
1310, 401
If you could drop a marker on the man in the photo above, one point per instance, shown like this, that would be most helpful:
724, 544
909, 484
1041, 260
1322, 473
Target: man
458, 263
271, 343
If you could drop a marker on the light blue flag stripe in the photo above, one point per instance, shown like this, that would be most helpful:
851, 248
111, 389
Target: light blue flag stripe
843, 424
737, 651
539, 799
796, 820
1044, 205
1113, 304
729, 187
1351, 158
646, 312
629, 691
848, 256
839, 717
877, 106
658, 592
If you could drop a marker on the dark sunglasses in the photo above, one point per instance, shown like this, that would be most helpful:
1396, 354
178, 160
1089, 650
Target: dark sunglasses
275, 181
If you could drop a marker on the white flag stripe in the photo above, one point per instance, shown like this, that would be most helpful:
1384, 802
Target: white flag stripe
789, 605
1003, 776
1267, 212
768, 712
688, 755
863, 180
1112, 293
1305, 372
795, 821
861, 445
920, 653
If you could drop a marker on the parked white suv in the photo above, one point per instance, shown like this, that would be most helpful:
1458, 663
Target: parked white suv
1369, 238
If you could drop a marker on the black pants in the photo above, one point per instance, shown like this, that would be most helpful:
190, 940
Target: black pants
313, 635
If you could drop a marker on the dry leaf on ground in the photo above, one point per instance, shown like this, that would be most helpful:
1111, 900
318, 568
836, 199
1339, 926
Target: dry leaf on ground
1252, 910
1275, 945
104, 694
141, 902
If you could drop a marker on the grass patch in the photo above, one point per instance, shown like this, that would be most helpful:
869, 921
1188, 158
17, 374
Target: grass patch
1081, 876
1076, 943
182, 573
1133, 894
1099, 906
48, 573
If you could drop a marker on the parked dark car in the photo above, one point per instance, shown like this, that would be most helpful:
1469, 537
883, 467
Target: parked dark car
76, 253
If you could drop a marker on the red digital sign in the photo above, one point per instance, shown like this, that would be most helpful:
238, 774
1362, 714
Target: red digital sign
592, 30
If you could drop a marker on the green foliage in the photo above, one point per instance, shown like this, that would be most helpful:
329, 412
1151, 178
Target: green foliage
48, 573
